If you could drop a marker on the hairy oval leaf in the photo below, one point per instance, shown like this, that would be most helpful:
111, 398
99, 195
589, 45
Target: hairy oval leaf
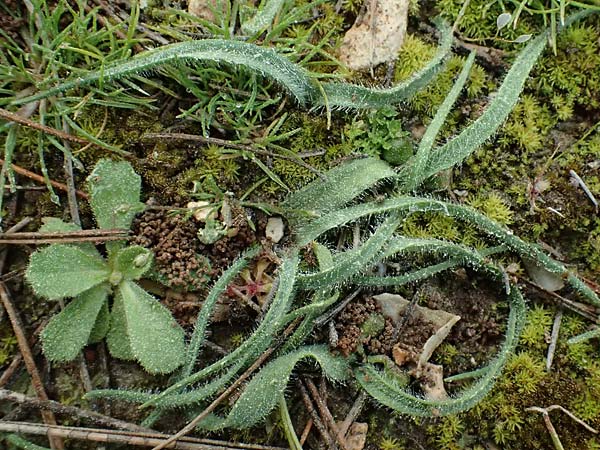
117, 339
101, 326
69, 331
156, 339
114, 189
60, 271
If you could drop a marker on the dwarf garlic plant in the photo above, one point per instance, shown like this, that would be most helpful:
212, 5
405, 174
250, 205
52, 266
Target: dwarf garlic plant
137, 327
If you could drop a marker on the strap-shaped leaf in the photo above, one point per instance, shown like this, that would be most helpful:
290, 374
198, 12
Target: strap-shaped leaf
60, 271
114, 189
256, 343
495, 114
69, 331
208, 305
352, 96
386, 391
343, 184
419, 164
263, 391
117, 338
156, 339
133, 262
351, 262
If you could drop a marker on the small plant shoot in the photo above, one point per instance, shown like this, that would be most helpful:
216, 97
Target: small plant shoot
137, 326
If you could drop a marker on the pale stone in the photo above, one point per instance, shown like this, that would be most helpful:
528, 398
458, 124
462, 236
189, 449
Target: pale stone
203, 211
377, 36
274, 229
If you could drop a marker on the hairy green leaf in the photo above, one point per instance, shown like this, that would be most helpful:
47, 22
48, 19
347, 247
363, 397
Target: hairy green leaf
494, 115
419, 165
263, 18
101, 326
156, 339
264, 61
114, 189
256, 343
60, 271
343, 184
387, 391
133, 262
263, 391
117, 338
351, 262
69, 330
207, 308
350, 96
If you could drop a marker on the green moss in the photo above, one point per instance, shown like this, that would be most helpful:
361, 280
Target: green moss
413, 56
446, 433
572, 76
311, 135
538, 325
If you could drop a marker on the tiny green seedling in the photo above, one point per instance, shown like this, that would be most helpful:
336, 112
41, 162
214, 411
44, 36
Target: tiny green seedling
137, 327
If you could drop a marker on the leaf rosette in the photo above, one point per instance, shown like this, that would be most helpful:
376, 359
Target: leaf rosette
137, 327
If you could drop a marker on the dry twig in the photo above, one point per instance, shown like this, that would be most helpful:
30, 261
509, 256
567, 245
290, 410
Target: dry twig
94, 235
40, 179
234, 145
325, 414
353, 413
58, 408
318, 423
125, 437
12, 117
36, 380
553, 434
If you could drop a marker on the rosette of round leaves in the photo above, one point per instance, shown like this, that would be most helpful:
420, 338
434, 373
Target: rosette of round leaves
137, 327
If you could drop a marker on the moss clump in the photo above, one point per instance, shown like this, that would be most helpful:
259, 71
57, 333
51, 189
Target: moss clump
414, 55
309, 134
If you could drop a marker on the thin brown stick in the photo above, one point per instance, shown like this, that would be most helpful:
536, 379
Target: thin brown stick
94, 235
306, 430
40, 179
551, 430
58, 408
587, 311
124, 437
325, 413
353, 413
315, 417
4, 251
234, 145
36, 380
10, 370
227, 392
12, 117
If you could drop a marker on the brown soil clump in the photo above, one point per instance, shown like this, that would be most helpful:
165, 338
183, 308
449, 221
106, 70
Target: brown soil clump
350, 328
176, 249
